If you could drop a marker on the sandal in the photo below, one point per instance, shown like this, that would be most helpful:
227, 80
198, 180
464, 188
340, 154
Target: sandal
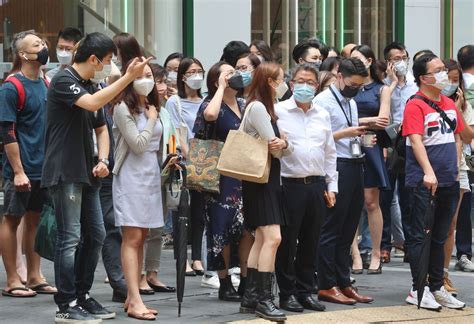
150, 310
143, 316
9, 292
40, 289
146, 292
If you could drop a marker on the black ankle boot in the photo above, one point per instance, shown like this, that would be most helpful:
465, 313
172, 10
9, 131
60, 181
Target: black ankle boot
250, 298
266, 307
227, 292
243, 283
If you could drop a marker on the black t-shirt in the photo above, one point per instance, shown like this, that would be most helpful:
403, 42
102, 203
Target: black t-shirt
69, 146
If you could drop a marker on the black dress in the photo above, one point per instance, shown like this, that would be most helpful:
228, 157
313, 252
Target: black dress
262, 203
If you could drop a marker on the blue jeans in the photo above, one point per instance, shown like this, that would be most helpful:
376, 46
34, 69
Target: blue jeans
446, 199
79, 240
365, 244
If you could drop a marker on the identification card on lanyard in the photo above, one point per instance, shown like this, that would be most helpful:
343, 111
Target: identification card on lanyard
355, 146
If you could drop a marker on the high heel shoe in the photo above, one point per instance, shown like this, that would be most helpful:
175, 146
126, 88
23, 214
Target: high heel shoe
199, 272
376, 271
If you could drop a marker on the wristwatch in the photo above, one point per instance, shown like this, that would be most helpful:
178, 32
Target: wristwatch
105, 161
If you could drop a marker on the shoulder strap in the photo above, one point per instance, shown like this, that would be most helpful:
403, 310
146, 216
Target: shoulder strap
19, 89
46, 82
441, 112
180, 110
245, 115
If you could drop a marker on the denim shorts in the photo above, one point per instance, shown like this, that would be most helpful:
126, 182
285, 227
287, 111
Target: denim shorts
18, 203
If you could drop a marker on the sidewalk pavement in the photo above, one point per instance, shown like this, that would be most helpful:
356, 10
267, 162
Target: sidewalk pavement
201, 305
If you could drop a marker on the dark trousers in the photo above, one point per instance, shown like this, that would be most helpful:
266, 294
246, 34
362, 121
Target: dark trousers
340, 226
386, 197
197, 224
464, 228
113, 239
295, 259
446, 199
80, 236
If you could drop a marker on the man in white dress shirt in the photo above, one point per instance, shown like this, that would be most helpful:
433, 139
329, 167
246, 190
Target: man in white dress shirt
306, 175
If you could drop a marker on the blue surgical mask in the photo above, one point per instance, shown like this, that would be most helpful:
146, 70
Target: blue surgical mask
303, 93
246, 77
450, 89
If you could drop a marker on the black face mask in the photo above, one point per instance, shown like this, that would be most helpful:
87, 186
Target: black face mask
43, 56
236, 82
349, 92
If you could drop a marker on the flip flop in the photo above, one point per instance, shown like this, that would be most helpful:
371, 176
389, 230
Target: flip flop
9, 292
40, 289
142, 317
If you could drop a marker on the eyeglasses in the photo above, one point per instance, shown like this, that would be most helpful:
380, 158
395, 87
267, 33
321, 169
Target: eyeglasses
308, 82
437, 71
352, 85
192, 72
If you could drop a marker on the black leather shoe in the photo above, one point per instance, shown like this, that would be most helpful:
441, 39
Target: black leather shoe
227, 291
162, 289
291, 304
310, 303
119, 297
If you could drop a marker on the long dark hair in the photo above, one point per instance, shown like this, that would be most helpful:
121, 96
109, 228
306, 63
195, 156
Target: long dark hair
213, 78
368, 53
130, 97
182, 68
264, 49
261, 90
453, 65
128, 47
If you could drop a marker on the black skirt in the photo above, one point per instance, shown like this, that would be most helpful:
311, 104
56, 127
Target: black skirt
262, 203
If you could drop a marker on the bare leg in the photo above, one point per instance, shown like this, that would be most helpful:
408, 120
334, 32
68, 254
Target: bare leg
449, 244
226, 256
356, 259
271, 241
374, 213
20, 261
245, 245
254, 254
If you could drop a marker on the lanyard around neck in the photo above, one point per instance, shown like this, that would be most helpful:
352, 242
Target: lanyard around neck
349, 121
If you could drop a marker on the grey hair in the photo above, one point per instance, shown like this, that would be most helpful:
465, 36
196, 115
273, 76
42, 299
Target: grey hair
304, 67
18, 37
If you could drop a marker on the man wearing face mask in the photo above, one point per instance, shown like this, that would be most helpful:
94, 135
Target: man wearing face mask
306, 175
22, 126
342, 219
71, 177
67, 40
432, 124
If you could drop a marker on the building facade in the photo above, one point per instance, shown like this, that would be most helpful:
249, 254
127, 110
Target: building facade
201, 28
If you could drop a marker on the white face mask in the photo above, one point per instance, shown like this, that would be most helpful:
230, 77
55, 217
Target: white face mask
106, 70
281, 89
143, 86
173, 76
195, 81
401, 67
442, 80
64, 57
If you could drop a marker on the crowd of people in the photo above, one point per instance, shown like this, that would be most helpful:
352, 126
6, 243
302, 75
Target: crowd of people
360, 149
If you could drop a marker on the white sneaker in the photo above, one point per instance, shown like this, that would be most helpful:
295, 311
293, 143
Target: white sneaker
428, 301
235, 279
210, 282
464, 264
235, 270
447, 300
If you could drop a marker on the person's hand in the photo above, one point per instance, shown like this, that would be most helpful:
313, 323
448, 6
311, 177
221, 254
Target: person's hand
460, 100
135, 69
276, 144
224, 78
355, 131
430, 182
381, 121
391, 73
151, 112
21, 182
171, 91
331, 199
100, 170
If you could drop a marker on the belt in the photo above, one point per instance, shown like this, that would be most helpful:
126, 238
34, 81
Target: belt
354, 160
305, 180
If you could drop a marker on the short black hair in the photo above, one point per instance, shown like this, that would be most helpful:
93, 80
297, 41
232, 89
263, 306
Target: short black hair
233, 50
352, 66
420, 66
70, 34
304, 67
329, 63
320, 45
172, 56
392, 46
421, 53
466, 57
96, 44
301, 49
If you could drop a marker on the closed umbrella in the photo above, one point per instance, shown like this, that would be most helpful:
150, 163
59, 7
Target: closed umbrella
424, 256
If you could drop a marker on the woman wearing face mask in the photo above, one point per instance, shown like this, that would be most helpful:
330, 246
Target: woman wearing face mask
171, 65
183, 108
262, 202
245, 65
373, 105
220, 112
261, 49
137, 181
455, 91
